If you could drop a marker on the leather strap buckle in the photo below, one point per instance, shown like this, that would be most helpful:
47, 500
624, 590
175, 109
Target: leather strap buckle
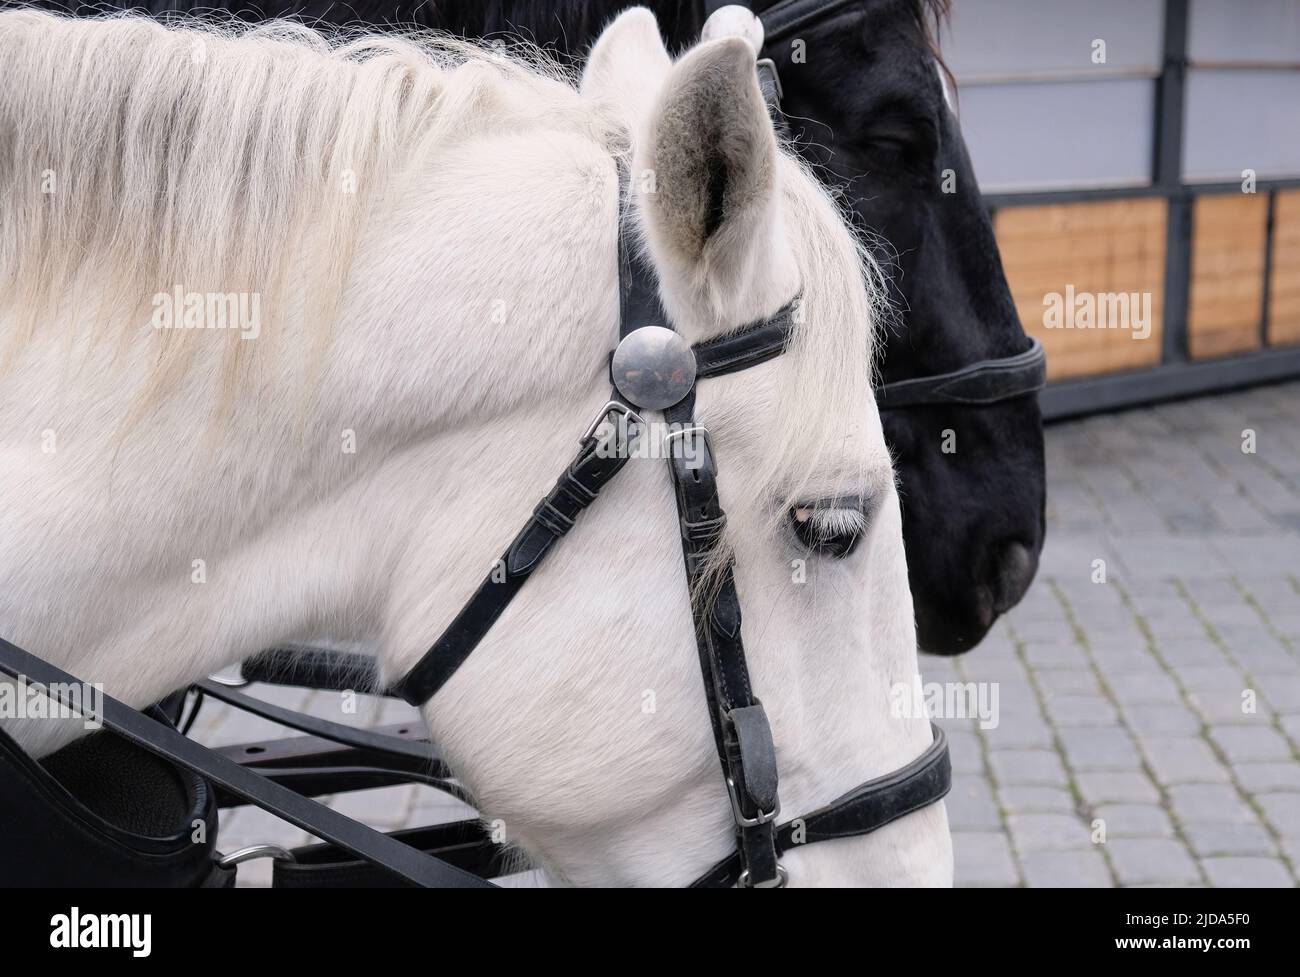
780, 882
694, 429
763, 817
611, 407
256, 851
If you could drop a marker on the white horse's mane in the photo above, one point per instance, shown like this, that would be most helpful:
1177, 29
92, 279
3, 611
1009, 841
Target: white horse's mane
117, 183
123, 187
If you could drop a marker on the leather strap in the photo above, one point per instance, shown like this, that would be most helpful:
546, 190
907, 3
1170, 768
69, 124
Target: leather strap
305, 813
977, 385
309, 667
598, 461
789, 16
465, 844
866, 808
756, 343
362, 739
740, 728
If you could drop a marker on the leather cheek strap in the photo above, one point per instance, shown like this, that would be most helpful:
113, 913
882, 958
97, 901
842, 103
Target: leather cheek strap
579, 485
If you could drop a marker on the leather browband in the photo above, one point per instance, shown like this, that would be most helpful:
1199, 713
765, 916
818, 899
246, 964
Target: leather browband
754, 344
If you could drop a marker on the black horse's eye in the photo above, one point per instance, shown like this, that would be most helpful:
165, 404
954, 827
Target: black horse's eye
832, 529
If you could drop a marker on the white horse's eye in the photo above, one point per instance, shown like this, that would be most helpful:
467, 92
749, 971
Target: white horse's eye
832, 529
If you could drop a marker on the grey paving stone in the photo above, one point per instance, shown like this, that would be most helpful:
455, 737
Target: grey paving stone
1242, 553
1135, 821
1067, 681
1209, 678
1041, 630
1263, 663
1144, 688
387, 807
1291, 727
1228, 838
1090, 748
983, 858
1026, 767
1020, 732
971, 805
1261, 778
1209, 802
1181, 652
1250, 873
1080, 710
1160, 719
1117, 787
1250, 743
435, 807
1183, 759
1058, 652
1151, 860
1066, 870
1107, 638
1231, 707
964, 749
1282, 811
1169, 557
1048, 832
1282, 693
1036, 800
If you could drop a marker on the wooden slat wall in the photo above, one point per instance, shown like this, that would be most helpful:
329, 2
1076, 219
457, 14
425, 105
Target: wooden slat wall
1099, 247
1228, 235
1284, 287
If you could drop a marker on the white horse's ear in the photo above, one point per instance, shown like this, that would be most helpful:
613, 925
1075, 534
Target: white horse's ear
628, 64
710, 146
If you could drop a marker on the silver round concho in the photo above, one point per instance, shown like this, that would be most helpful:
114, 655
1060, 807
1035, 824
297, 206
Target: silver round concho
653, 367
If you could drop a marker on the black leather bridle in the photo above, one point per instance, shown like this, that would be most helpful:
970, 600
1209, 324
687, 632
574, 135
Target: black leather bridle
741, 731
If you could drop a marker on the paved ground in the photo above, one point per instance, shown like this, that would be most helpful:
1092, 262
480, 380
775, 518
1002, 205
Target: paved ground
1148, 729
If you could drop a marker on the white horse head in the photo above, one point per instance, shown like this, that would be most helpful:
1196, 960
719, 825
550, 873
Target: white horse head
429, 232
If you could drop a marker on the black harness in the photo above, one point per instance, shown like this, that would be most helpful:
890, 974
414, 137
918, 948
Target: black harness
741, 730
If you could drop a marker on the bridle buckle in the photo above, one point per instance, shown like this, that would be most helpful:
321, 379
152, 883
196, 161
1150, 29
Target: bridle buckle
690, 432
633, 419
780, 882
762, 817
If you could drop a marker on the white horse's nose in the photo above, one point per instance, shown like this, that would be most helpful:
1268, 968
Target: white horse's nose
734, 19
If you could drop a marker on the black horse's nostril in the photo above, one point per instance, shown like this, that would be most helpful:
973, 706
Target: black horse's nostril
1013, 571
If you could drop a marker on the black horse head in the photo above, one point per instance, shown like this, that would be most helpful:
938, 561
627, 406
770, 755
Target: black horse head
864, 95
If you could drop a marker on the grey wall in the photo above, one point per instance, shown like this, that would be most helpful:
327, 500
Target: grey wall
1038, 114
